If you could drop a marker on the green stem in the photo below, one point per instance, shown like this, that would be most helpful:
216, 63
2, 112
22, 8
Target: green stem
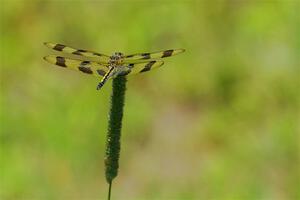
114, 129
109, 190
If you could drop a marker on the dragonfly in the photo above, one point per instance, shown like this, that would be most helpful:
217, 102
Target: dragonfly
104, 66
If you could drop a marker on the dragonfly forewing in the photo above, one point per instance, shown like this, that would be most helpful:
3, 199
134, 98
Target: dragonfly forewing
78, 52
154, 55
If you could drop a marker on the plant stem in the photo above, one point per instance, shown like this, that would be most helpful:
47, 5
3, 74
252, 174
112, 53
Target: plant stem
109, 190
114, 129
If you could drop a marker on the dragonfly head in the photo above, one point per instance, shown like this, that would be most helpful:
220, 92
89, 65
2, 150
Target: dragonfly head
116, 58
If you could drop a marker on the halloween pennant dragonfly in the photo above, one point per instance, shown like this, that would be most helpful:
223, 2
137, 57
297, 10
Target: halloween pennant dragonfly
107, 67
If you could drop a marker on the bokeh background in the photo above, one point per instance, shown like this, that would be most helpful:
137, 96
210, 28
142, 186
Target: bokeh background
220, 121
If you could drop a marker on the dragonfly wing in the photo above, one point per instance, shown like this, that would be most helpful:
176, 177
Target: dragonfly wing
79, 52
135, 68
88, 67
154, 55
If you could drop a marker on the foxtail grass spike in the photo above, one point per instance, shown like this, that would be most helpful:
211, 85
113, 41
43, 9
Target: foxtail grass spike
114, 129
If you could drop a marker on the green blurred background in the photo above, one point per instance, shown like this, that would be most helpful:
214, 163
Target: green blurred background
220, 121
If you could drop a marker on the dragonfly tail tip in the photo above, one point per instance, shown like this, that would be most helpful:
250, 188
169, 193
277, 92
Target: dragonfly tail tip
99, 86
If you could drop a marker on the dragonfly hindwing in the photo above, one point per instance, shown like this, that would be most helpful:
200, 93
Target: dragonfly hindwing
135, 68
88, 67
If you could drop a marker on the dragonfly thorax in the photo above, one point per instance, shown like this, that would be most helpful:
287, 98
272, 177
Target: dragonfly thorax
116, 58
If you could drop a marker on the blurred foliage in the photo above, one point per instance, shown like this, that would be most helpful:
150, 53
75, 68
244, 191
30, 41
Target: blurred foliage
220, 121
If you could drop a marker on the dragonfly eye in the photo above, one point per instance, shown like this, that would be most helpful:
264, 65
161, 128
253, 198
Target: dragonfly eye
116, 56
